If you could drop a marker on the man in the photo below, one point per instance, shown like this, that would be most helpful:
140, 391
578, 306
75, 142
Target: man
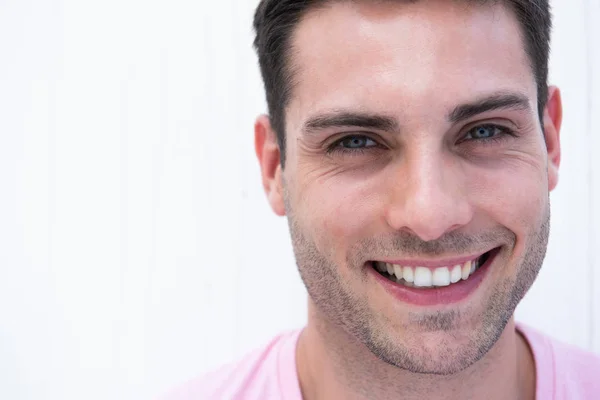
412, 146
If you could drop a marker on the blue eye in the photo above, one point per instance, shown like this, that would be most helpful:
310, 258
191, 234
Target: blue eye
356, 142
354, 145
483, 132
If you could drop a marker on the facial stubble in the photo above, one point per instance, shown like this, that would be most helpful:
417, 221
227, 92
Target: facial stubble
336, 301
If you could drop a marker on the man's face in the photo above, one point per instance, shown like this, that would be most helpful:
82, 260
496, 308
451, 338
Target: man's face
413, 138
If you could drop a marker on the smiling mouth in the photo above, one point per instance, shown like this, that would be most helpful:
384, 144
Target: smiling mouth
425, 277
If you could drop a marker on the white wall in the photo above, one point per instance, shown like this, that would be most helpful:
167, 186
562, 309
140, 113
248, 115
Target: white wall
136, 246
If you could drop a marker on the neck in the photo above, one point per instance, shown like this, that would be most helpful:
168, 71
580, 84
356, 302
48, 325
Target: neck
333, 365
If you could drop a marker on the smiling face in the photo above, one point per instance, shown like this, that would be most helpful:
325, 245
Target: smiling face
413, 146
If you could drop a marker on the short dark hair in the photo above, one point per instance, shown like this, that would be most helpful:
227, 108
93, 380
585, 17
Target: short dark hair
275, 20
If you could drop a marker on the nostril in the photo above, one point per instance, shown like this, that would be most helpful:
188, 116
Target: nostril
429, 223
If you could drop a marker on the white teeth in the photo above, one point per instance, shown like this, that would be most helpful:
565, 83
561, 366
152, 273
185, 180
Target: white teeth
441, 277
423, 277
390, 268
398, 271
456, 274
466, 270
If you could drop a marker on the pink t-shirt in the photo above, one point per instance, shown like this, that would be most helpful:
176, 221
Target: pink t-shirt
563, 372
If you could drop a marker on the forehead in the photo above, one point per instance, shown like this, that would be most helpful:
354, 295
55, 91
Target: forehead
405, 58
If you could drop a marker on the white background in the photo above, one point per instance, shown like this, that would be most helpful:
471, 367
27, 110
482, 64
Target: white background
136, 247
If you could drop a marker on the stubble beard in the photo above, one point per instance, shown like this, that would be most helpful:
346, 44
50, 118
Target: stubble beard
342, 308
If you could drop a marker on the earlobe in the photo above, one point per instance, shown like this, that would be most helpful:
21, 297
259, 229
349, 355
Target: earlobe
268, 154
552, 125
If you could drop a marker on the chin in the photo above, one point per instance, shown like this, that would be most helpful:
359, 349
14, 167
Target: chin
440, 353
437, 343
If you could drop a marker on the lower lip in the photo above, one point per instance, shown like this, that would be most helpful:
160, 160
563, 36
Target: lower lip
451, 294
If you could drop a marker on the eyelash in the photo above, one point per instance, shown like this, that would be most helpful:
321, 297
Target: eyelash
336, 147
503, 134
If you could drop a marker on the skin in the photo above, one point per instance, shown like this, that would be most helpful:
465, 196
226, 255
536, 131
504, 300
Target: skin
425, 187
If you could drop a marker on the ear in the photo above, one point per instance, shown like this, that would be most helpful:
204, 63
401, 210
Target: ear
552, 124
268, 153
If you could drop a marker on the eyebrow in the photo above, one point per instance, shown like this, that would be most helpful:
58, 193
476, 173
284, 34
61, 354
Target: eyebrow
499, 101
337, 119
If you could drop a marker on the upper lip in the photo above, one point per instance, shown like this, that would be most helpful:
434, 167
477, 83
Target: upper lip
447, 262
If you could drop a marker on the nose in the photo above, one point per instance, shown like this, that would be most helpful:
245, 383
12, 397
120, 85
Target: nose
429, 196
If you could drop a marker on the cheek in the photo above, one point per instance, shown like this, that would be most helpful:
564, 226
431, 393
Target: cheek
343, 211
515, 196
